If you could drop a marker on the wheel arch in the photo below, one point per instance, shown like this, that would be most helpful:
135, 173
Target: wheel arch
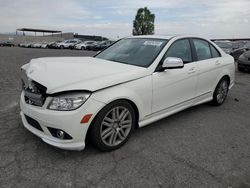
227, 77
134, 106
224, 75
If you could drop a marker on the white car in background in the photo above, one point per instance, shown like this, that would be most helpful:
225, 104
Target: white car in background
44, 45
83, 45
28, 44
134, 82
36, 45
67, 43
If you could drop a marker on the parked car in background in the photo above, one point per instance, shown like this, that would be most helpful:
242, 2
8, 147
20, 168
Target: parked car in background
238, 44
44, 45
36, 45
72, 46
134, 82
68, 43
247, 45
91, 46
53, 45
236, 53
21, 44
101, 45
83, 45
29, 44
244, 61
8, 43
25, 44
226, 46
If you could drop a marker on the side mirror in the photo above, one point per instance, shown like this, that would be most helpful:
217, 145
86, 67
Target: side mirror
172, 63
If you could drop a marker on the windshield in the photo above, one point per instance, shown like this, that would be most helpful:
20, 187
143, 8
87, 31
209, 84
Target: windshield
134, 51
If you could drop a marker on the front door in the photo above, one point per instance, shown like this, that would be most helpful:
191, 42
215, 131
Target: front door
174, 87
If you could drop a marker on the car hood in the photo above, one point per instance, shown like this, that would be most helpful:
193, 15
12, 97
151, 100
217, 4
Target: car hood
80, 73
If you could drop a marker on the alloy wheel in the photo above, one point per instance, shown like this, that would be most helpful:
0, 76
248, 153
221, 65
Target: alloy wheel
116, 126
222, 92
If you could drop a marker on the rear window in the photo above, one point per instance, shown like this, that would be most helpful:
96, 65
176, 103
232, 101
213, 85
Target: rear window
202, 49
215, 52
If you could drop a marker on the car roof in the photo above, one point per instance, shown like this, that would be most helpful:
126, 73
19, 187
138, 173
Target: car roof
167, 37
154, 36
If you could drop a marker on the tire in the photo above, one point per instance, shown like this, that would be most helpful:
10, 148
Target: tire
113, 126
220, 92
61, 47
83, 48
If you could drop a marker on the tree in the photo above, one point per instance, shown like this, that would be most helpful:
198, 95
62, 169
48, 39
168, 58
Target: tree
144, 22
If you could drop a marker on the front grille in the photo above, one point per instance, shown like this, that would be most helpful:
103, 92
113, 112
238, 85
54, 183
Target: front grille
34, 93
33, 123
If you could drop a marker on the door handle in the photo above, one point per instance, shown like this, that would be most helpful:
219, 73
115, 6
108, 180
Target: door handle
217, 62
191, 70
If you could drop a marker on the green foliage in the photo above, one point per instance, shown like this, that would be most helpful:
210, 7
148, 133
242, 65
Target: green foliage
144, 22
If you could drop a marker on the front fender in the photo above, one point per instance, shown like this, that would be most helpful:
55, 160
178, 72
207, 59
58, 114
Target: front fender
137, 91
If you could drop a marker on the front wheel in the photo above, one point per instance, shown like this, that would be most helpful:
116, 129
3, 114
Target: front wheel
220, 93
113, 125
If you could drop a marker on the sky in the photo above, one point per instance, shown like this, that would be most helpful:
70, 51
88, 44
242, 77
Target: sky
114, 18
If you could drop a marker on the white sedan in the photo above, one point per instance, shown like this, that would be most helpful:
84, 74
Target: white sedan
83, 45
68, 43
136, 81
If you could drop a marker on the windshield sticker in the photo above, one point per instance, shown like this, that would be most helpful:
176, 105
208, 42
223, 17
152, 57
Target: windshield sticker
152, 43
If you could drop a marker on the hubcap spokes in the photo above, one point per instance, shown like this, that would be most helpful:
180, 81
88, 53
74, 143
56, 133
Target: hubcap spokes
222, 92
116, 126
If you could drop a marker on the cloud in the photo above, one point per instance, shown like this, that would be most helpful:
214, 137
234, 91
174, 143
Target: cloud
112, 18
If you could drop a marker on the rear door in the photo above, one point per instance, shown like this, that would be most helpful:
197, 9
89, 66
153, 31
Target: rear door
208, 65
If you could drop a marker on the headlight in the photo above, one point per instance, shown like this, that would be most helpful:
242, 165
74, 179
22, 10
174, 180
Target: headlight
68, 101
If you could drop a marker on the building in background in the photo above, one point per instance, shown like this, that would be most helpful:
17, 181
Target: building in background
42, 35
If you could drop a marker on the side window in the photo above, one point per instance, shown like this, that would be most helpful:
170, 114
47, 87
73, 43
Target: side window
202, 49
180, 49
214, 51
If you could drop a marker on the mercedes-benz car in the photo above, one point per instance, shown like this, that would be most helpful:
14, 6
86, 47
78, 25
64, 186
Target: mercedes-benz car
134, 82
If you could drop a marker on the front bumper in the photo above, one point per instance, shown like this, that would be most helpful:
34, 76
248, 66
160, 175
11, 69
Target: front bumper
68, 121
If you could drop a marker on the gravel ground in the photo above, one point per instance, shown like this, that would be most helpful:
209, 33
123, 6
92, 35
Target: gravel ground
203, 146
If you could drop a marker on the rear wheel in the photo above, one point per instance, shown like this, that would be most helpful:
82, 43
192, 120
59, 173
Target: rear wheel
113, 125
220, 93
